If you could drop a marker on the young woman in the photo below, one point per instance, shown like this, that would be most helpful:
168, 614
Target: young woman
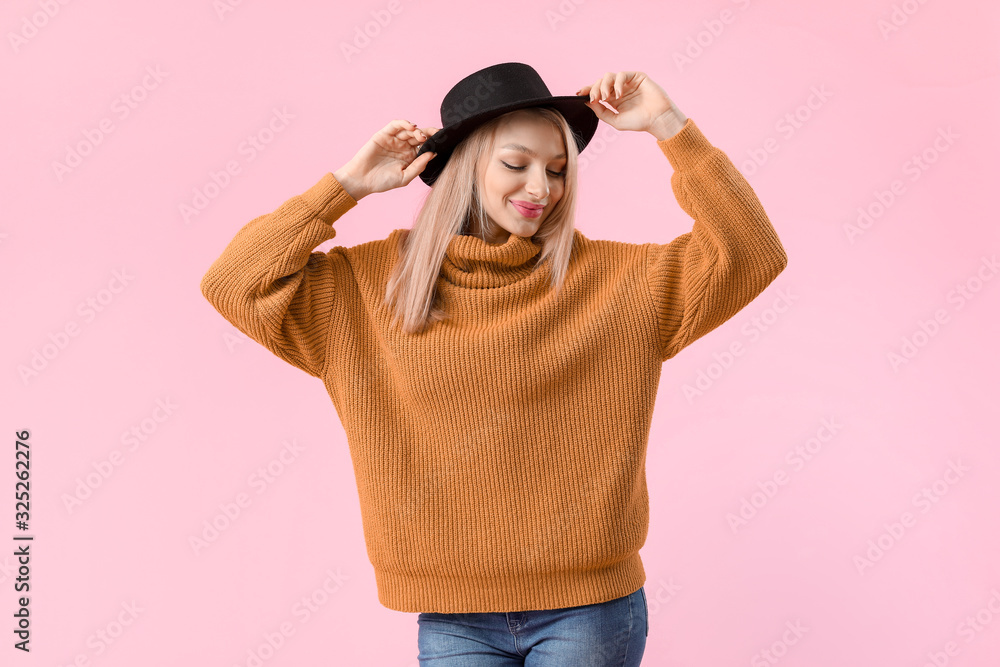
494, 369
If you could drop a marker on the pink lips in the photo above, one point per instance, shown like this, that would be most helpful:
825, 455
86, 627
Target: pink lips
527, 209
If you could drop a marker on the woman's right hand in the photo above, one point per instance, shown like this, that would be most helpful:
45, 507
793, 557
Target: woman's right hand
387, 160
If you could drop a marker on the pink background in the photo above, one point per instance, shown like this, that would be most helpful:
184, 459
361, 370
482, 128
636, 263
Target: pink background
815, 346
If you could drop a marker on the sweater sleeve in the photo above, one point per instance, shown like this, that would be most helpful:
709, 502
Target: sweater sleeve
271, 286
732, 253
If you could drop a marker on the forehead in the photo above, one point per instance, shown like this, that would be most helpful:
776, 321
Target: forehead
531, 136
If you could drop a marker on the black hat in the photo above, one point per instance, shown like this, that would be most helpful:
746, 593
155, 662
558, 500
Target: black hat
492, 92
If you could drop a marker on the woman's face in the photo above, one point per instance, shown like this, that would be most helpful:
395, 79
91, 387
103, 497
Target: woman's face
524, 177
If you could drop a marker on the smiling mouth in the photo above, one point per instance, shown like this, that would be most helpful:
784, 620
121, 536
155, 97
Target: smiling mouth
526, 211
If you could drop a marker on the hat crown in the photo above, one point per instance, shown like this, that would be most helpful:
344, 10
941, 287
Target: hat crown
491, 88
490, 93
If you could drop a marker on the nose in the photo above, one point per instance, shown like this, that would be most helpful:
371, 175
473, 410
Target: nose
538, 184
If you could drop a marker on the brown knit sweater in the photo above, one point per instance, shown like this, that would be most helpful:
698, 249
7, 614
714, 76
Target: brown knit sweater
500, 455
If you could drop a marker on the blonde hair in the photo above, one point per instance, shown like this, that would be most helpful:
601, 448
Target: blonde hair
454, 204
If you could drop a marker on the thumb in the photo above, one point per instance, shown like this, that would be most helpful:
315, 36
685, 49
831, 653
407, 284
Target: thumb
417, 166
602, 112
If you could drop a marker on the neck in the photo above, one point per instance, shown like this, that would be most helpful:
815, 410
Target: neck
472, 262
493, 233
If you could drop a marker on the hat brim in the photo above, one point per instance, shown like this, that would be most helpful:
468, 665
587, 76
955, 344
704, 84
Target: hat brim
581, 118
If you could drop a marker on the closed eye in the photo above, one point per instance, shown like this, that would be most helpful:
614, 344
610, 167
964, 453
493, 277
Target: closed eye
512, 168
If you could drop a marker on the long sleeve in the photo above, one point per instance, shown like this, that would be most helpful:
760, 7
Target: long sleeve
732, 253
271, 286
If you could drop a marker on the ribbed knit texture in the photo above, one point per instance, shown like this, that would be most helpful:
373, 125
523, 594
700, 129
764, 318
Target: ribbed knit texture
500, 455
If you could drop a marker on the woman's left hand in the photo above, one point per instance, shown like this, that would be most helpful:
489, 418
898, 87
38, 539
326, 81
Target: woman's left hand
642, 105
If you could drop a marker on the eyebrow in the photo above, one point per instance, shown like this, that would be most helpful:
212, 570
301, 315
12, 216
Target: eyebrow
525, 149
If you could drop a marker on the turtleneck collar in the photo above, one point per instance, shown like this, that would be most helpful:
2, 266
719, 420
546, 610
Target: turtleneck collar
472, 262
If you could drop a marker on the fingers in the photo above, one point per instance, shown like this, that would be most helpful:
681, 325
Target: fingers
610, 86
603, 84
400, 125
596, 91
407, 132
400, 129
619, 84
396, 126
418, 136
421, 135
413, 137
414, 168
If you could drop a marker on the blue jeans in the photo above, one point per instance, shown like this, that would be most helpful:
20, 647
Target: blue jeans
591, 635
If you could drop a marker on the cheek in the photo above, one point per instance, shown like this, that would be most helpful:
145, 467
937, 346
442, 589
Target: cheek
503, 188
500, 184
556, 191
510, 181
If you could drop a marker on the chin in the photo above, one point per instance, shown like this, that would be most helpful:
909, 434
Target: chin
528, 228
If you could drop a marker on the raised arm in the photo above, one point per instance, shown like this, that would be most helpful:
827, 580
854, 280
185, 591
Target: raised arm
702, 278
271, 286
732, 253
